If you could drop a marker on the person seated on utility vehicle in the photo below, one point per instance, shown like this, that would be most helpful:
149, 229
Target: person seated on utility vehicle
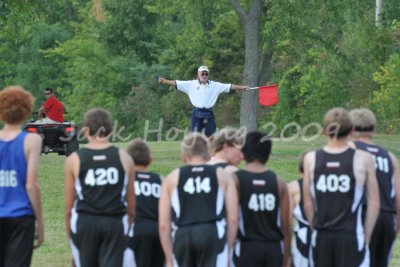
52, 111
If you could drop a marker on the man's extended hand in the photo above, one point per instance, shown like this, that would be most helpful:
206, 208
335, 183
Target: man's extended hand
161, 80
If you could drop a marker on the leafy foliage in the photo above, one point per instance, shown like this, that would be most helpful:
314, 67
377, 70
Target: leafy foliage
385, 99
107, 53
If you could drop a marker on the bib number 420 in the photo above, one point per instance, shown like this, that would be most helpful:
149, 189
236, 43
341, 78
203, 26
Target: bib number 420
102, 176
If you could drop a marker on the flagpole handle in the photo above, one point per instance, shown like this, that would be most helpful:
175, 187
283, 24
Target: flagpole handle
253, 88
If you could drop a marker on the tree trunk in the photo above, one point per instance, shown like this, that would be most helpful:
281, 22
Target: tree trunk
378, 13
251, 22
249, 100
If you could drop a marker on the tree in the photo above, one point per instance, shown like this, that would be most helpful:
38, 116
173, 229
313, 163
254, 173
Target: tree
385, 98
257, 61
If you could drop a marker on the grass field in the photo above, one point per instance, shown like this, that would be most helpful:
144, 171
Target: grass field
55, 251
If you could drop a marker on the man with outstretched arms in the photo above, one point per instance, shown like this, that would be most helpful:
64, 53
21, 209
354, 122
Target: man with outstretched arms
388, 175
204, 204
203, 94
99, 196
20, 204
264, 224
334, 181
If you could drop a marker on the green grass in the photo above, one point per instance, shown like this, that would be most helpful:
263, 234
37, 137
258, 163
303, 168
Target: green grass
166, 157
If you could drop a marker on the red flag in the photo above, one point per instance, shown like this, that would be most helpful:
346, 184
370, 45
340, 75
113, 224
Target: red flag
268, 95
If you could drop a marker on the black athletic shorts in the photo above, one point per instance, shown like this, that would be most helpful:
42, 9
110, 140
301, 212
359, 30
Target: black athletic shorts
258, 254
145, 245
330, 249
202, 245
98, 240
382, 239
16, 241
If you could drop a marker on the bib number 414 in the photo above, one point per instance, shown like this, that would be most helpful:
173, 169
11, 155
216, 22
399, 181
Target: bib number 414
197, 185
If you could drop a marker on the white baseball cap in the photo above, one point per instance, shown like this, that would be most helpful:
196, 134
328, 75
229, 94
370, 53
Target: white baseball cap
203, 68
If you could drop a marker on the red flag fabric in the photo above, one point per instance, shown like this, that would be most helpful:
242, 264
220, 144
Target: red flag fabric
268, 95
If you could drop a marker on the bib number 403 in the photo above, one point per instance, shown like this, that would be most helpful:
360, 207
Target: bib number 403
333, 183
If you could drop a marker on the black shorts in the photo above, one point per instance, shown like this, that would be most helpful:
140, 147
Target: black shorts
258, 253
145, 246
16, 241
98, 240
202, 245
382, 239
338, 250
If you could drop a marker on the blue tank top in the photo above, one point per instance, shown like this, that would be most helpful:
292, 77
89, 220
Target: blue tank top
14, 200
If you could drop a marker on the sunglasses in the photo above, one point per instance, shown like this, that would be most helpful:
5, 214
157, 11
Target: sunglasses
47, 93
204, 74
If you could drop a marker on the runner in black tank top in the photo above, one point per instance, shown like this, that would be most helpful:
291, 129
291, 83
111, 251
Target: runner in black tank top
385, 229
334, 182
144, 242
387, 171
203, 202
264, 209
337, 220
99, 194
101, 188
148, 190
198, 187
99, 225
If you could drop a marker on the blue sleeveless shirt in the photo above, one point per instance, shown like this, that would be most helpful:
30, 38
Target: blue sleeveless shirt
14, 200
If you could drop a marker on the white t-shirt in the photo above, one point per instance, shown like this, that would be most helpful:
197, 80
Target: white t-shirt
203, 95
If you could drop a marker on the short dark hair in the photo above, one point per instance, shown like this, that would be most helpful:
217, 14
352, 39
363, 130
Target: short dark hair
49, 89
257, 147
139, 152
99, 121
